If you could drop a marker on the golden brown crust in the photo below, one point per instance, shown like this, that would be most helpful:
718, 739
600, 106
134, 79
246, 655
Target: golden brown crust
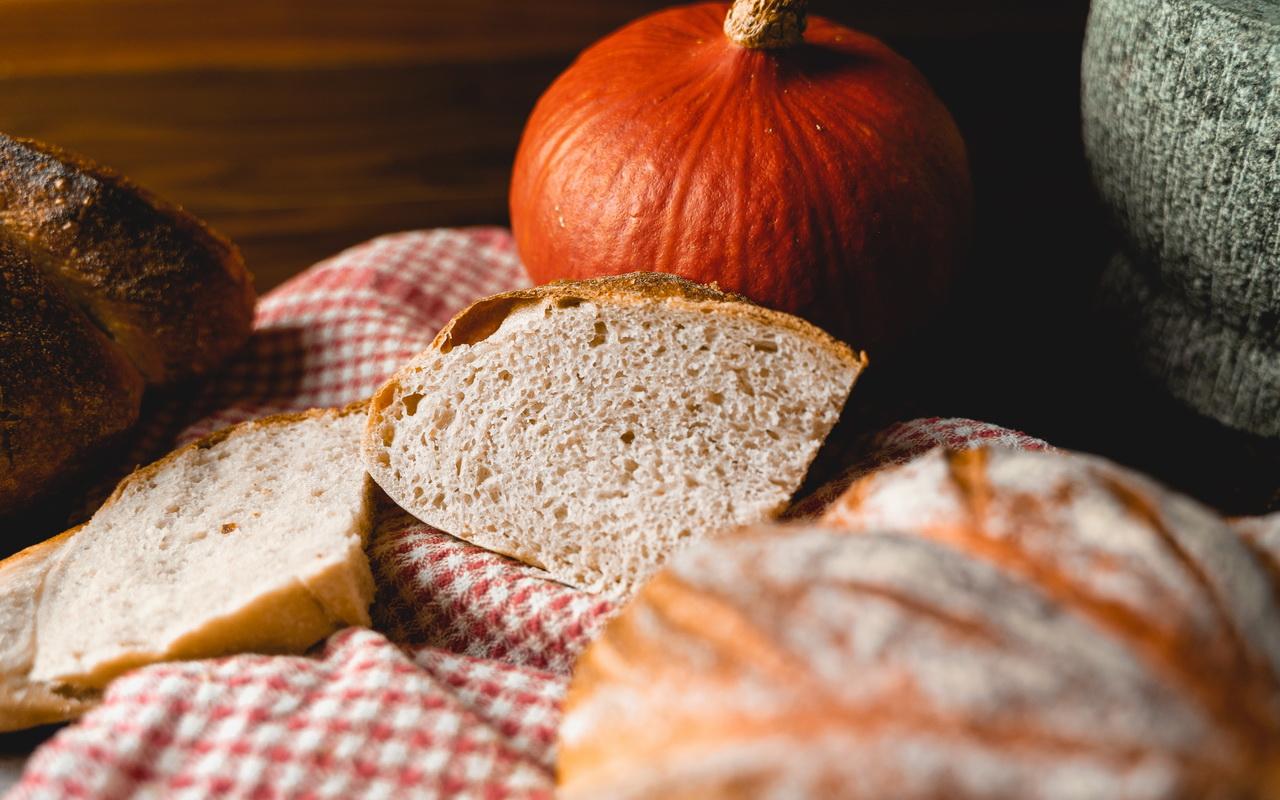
65, 389
483, 317
170, 291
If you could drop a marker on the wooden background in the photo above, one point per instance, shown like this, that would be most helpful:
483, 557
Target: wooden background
299, 127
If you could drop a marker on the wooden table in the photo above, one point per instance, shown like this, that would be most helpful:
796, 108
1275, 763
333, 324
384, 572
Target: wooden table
299, 127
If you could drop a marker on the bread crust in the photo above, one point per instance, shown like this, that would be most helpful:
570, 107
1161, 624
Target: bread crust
482, 318
1049, 610
65, 389
165, 287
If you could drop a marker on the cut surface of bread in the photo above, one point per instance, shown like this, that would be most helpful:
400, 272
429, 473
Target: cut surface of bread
25, 703
593, 428
248, 540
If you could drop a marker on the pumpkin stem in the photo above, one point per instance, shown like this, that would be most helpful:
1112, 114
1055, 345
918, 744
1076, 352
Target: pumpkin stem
766, 24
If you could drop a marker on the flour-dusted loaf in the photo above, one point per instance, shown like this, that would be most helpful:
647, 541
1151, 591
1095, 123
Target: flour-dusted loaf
592, 428
103, 287
988, 624
248, 540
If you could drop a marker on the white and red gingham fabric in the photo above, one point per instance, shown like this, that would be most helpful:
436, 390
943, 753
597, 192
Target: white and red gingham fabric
456, 692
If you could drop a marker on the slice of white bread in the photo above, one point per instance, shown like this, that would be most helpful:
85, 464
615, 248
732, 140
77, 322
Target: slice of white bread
251, 539
592, 428
25, 703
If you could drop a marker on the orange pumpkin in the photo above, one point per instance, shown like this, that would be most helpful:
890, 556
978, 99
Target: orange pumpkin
810, 168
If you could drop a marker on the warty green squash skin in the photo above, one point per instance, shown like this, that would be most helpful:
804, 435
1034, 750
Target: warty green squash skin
824, 179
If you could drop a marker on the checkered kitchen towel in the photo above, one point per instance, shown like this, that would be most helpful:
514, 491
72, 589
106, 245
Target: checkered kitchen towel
456, 692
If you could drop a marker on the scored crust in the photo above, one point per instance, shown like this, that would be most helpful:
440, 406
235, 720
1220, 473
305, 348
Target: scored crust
1049, 624
171, 292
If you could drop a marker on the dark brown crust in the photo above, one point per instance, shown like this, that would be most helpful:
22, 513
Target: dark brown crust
484, 317
65, 389
170, 291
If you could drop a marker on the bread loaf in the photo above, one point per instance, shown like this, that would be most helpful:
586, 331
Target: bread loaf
248, 540
592, 428
65, 389
988, 624
95, 269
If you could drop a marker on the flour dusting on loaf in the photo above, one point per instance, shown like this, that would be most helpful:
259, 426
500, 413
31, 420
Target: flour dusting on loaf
969, 625
593, 428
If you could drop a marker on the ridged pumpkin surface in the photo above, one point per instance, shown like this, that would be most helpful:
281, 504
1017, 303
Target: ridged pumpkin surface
824, 179
1039, 626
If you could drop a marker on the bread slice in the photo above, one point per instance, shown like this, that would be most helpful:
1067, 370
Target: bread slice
248, 540
25, 703
592, 428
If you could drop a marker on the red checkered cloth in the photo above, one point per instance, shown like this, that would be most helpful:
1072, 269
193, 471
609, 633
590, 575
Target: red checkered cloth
456, 692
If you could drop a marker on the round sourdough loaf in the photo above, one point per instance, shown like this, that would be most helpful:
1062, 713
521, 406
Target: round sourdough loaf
985, 624
1182, 128
103, 287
